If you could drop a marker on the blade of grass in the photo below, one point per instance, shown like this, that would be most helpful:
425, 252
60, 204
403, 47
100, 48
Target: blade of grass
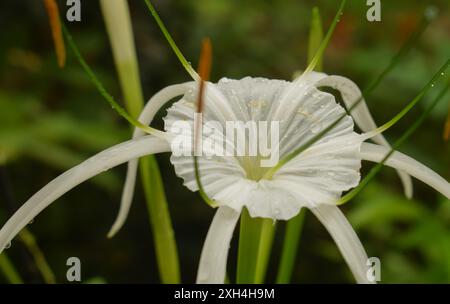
9, 272
118, 23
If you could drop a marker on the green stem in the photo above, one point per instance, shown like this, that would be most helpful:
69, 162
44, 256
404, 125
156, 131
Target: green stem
164, 237
118, 23
8, 270
289, 251
255, 241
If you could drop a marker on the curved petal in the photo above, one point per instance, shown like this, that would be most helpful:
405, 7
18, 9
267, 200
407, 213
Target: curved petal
346, 239
350, 95
213, 260
146, 117
400, 161
97, 164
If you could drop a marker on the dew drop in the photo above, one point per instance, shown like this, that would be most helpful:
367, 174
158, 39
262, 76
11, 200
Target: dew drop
7, 246
31, 222
316, 128
432, 85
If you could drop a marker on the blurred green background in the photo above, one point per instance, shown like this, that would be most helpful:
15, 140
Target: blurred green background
52, 119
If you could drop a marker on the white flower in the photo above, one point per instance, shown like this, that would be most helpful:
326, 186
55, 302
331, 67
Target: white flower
314, 179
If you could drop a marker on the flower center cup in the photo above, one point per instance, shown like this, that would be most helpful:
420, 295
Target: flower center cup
248, 125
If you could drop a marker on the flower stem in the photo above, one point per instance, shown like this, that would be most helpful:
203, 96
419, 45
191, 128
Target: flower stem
9, 271
289, 251
255, 241
118, 23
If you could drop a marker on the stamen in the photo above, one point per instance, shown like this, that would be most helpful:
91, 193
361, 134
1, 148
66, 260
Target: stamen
411, 105
120, 110
404, 137
55, 25
204, 69
171, 42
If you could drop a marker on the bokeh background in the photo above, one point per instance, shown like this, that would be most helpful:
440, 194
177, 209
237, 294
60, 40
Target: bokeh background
52, 119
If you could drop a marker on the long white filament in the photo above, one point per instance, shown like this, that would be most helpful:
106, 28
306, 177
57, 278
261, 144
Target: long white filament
350, 95
345, 238
400, 161
213, 260
97, 164
146, 117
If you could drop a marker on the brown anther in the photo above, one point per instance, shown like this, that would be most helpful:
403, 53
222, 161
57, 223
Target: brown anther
55, 24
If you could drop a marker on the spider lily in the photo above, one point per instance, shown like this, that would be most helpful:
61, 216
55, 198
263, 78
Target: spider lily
313, 179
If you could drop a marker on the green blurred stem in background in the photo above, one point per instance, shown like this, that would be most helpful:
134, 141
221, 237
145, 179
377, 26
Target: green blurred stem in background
8, 270
118, 23
30, 242
294, 226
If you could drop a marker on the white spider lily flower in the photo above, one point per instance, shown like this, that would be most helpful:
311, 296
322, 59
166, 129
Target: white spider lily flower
314, 179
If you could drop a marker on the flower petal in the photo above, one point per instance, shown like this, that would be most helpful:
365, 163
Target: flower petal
146, 117
346, 240
97, 164
213, 260
400, 161
350, 95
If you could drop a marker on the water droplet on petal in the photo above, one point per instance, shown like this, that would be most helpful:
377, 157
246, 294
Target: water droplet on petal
7, 246
316, 128
31, 222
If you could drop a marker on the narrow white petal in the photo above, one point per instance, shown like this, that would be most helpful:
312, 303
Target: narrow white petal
400, 161
361, 114
97, 164
213, 260
146, 117
346, 239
